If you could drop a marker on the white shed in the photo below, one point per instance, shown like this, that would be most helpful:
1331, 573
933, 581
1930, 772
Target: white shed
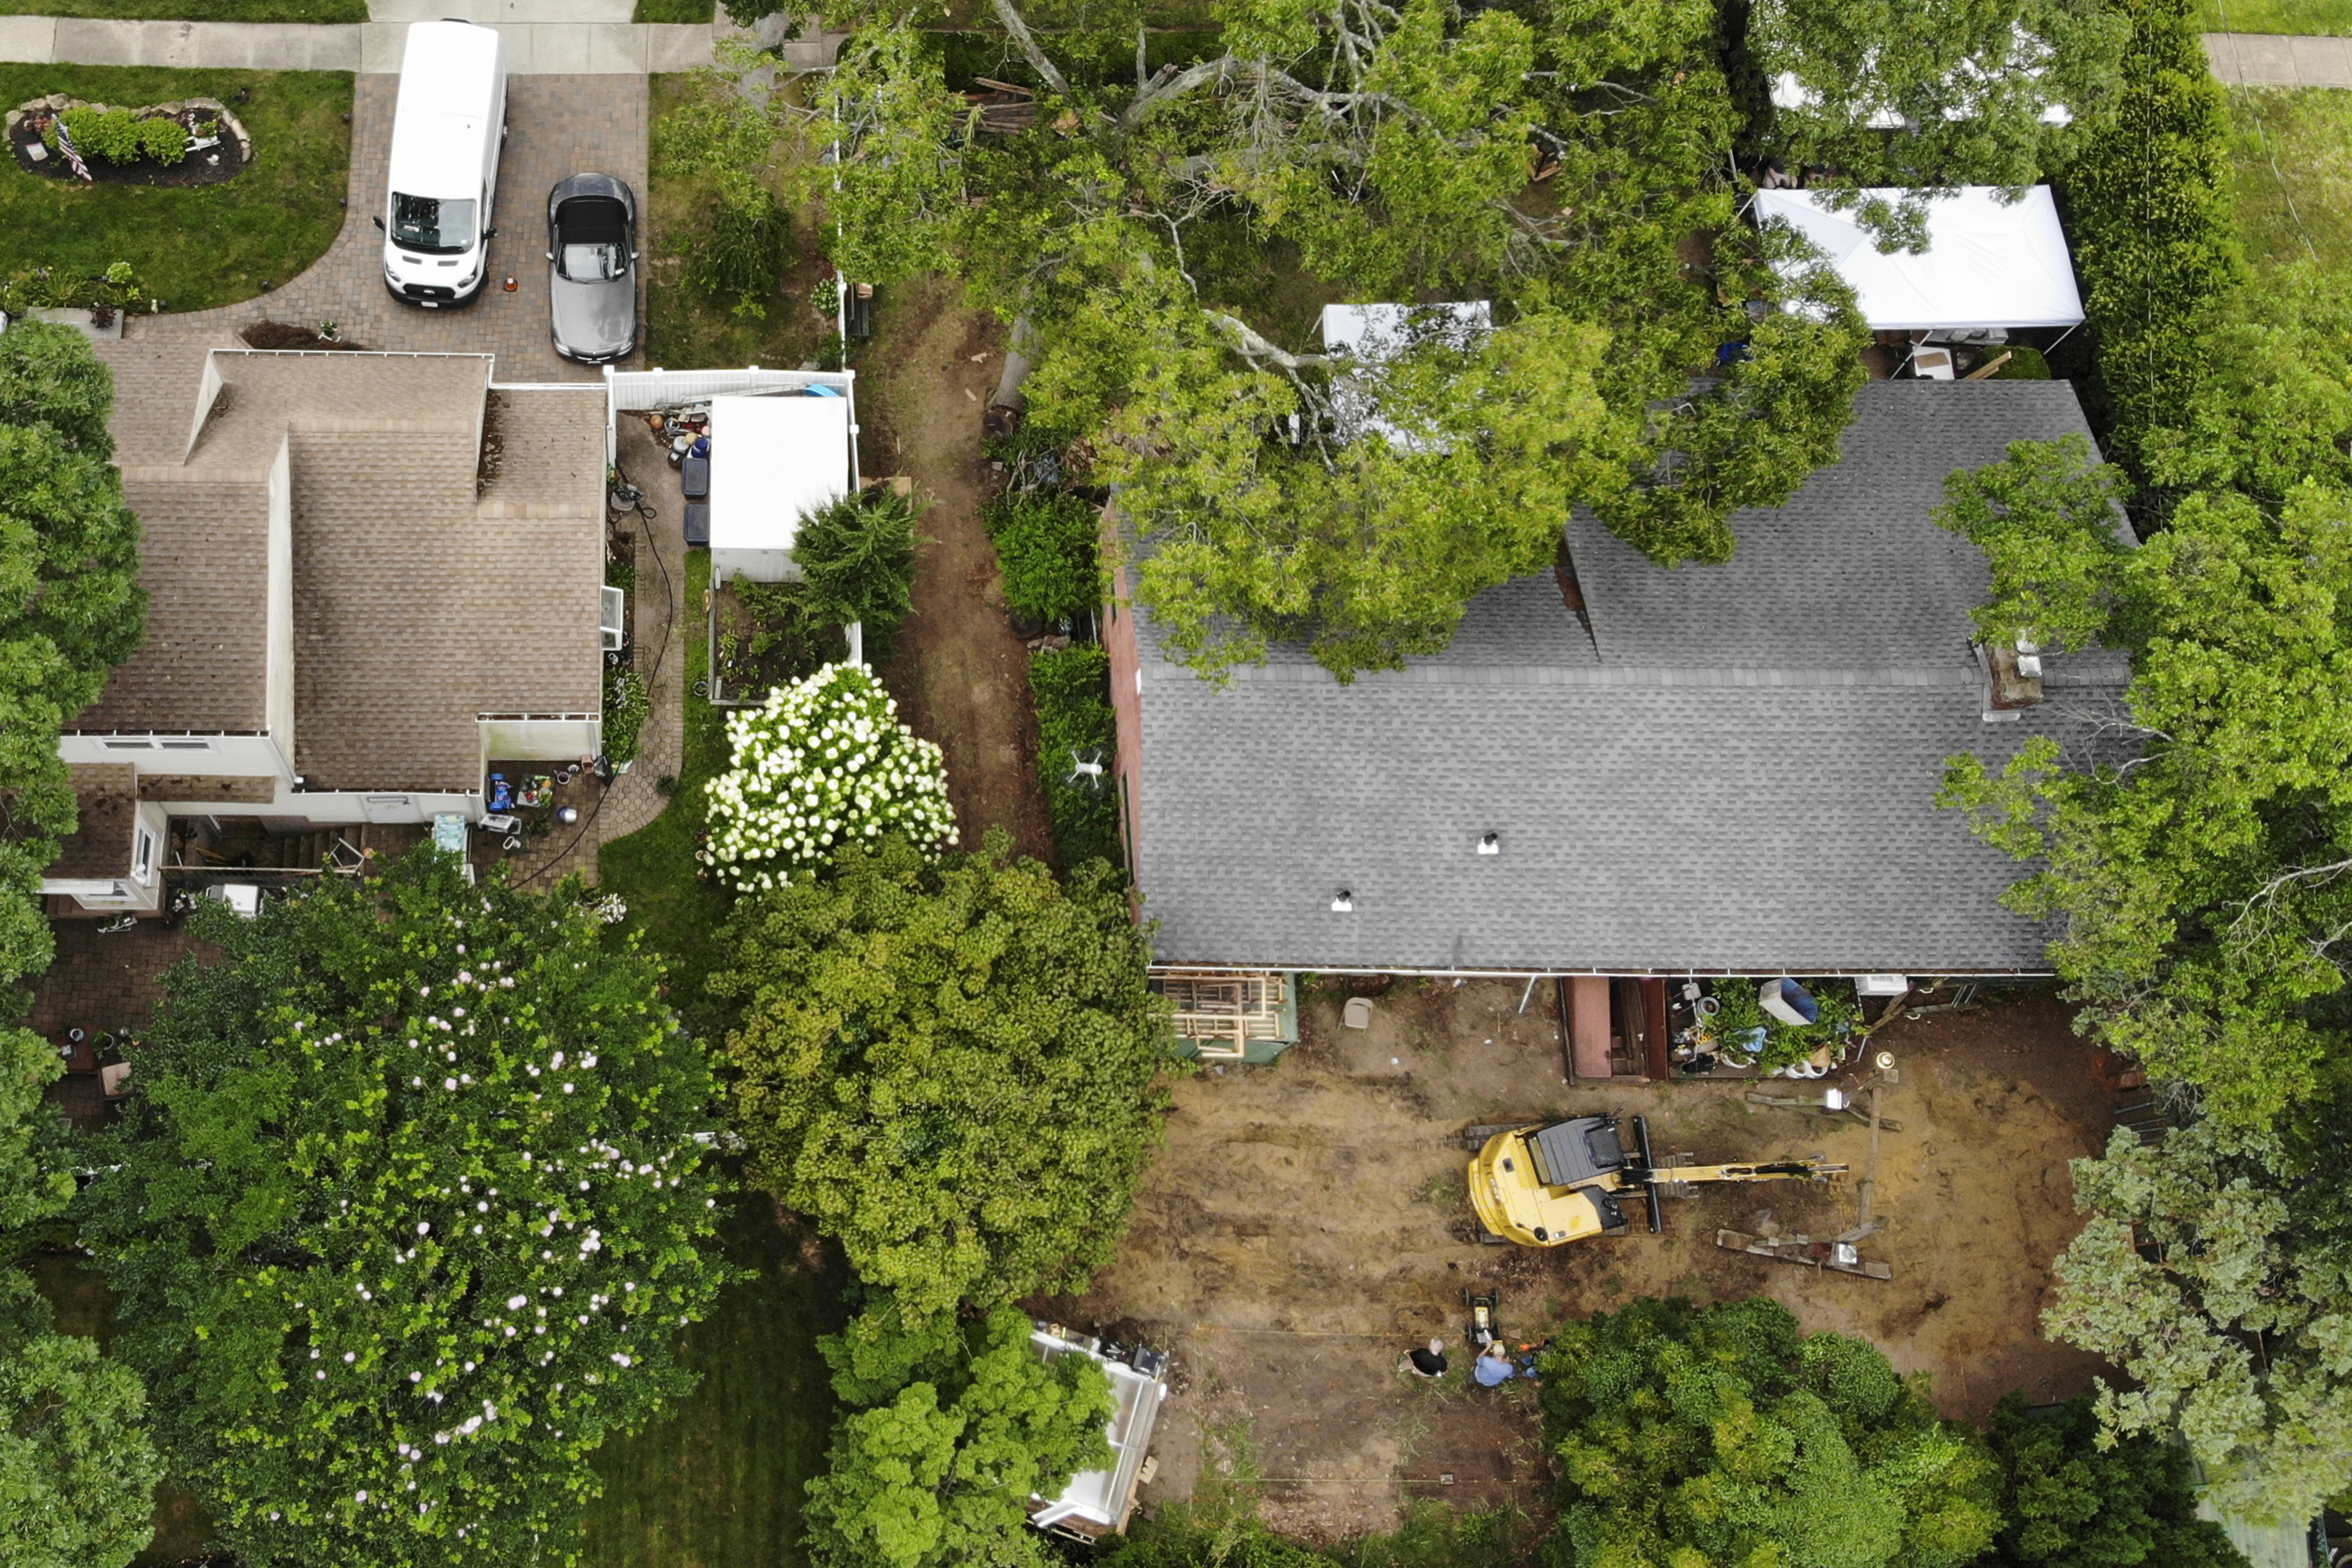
1987, 264
774, 457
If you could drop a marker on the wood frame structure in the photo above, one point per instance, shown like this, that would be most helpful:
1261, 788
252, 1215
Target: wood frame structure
1221, 1010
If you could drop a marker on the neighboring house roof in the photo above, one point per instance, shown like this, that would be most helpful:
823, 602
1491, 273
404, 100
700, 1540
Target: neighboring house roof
430, 584
1734, 770
100, 848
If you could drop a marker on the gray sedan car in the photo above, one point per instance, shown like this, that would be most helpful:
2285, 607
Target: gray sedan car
592, 287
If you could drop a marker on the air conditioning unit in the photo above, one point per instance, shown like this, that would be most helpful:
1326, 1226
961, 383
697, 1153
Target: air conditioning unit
614, 621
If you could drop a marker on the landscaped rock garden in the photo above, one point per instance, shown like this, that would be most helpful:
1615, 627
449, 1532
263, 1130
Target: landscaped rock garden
188, 142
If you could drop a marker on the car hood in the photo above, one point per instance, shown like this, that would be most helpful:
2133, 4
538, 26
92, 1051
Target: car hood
595, 318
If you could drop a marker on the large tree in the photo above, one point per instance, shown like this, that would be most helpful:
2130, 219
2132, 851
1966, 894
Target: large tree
2069, 1503
78, 1470
1688, 1435
1168, 215
408, 1218
70, 607
2196, 843
952, 1427
2216, 1271
1926, 98
953, 1067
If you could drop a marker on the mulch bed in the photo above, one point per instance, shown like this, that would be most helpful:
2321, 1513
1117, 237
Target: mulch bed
286, 335
209, 167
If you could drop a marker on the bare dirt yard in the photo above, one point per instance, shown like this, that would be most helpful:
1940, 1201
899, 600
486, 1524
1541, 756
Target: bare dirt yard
1308, 1222
959, 673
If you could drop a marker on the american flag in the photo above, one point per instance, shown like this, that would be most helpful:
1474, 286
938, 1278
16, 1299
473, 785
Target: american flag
66, 146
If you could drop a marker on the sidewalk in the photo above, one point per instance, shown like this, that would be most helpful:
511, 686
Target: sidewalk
2270, 59
533, 49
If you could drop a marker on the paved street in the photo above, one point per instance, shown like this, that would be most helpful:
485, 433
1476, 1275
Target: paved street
559, 125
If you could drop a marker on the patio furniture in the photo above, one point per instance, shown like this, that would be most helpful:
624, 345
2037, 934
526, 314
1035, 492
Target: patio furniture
500, 822
346, 859
114, 1080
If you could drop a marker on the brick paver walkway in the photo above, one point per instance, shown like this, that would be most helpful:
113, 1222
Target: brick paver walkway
558, 126
105, 982
663, 626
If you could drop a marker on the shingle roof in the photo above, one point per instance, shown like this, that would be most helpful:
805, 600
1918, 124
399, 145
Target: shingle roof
1740, 777
422, 598
204, 541
100, 846
405, 635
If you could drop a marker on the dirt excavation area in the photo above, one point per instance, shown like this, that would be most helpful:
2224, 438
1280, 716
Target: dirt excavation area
1308, 1222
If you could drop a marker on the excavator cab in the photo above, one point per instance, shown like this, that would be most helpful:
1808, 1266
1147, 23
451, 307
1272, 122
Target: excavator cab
1542, 1185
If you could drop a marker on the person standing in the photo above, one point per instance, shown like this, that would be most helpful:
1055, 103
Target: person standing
1427, 1360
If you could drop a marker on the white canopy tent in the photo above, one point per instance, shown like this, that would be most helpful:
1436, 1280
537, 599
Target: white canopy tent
1986, 264
774, 457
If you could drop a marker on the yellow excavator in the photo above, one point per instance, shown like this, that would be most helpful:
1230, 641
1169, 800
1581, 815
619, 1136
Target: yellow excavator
1544, 1185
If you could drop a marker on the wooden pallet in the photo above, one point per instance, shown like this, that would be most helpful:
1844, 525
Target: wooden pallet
1803, 1251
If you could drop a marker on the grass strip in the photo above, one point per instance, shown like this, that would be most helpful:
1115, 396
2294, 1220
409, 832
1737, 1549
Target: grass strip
198, 247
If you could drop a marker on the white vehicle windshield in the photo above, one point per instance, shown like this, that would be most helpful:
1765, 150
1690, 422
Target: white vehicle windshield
438, 225
593, 263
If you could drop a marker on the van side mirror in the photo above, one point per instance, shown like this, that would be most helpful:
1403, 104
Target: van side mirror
379, 221
550, 256
489, 234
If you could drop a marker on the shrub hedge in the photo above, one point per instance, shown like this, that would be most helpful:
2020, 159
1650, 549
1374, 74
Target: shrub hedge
2148, 199
1074, 721
1045, 543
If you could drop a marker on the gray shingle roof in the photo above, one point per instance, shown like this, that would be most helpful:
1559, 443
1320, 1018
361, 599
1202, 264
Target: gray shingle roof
1741, 778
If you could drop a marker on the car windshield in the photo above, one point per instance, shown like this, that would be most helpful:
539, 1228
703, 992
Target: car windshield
440, 225
593, 263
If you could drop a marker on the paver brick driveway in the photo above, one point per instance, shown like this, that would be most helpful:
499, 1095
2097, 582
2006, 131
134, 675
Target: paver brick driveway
557, 126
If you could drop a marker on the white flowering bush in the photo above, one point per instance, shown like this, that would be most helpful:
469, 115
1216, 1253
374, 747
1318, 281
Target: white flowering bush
819, 764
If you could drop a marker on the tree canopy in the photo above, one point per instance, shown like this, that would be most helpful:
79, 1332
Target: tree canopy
2199, 868
407, 1219
78, 1470
2216, 1271
2070, 1503
70, 606
1167, 213
1684, 1435
952, 1067
952, 1427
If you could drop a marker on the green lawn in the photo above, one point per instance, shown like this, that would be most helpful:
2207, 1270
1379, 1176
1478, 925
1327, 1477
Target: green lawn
2308, 132
684, 327
2332, 17
654, 868
194, 10
719, 1482
672, 11
198, 247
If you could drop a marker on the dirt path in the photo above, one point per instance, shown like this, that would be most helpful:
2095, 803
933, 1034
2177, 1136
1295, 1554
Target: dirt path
1306, 1222
960, 675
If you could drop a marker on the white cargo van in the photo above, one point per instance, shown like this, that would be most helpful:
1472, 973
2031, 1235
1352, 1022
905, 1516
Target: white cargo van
445, 133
